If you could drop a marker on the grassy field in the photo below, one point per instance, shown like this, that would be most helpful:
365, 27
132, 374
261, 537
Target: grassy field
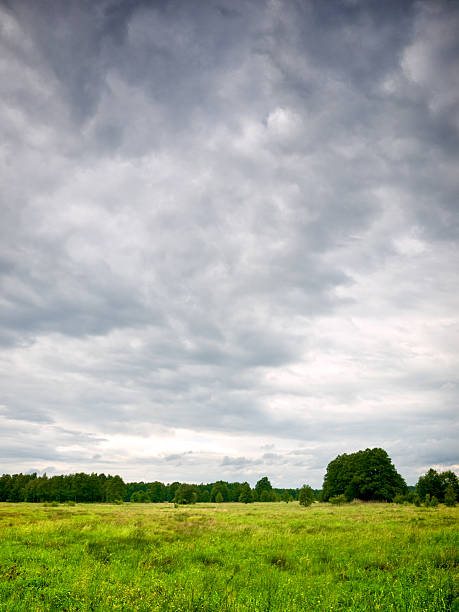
214, 557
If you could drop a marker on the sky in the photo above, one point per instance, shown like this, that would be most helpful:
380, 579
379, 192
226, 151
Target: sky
229, 237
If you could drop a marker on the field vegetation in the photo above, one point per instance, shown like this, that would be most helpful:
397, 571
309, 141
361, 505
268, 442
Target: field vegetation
228, 556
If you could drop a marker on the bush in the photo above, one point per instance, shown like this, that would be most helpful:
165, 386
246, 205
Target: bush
433, 502
338, 500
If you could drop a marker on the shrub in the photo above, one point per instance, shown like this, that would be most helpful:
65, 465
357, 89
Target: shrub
338, 500
306, 496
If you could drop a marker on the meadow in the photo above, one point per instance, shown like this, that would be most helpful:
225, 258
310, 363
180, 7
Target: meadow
233, 557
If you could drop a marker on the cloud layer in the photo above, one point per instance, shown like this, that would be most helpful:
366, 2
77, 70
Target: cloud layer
229, 238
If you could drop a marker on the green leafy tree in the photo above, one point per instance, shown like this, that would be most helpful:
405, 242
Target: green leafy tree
245, 496
450, 496
264, 490
435, 484
186, 494
306, 496
140, 497
114, 488
219, 498
366, 475
204, 495
222, 488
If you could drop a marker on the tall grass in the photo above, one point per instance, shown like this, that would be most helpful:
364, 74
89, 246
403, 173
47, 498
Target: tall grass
234, 557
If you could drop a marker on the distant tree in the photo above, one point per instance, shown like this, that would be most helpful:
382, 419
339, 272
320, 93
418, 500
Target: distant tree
219, 487
449, 478
171, 489
245, 495
435, 484
157, 492
186, 494
219, 498
114, 488
265, 496
450, 496
306, 496
366, 475
430, 484
286, 497
204, 495
263, 489
140, 497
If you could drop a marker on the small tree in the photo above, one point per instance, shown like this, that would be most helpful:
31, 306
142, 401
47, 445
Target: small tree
450, 496
219, 498
306, 496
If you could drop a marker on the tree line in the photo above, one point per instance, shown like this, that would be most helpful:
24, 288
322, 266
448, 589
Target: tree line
82, 487
368, 475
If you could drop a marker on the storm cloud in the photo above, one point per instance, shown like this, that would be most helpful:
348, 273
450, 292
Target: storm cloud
229, 238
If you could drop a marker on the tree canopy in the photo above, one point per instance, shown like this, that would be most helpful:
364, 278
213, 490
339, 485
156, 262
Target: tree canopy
368, 475
436, 484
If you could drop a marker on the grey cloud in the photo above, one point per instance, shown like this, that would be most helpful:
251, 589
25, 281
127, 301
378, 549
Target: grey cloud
193, 194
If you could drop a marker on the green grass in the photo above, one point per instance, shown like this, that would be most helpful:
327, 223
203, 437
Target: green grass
213, 557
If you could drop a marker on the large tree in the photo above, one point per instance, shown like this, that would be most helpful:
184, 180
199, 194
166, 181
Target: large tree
367, 475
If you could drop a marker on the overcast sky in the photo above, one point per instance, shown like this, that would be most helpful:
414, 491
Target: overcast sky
229, 238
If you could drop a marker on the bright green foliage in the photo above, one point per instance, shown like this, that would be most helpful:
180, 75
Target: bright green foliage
306, 496
219, 498
366, 475
338, 500
210, 558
